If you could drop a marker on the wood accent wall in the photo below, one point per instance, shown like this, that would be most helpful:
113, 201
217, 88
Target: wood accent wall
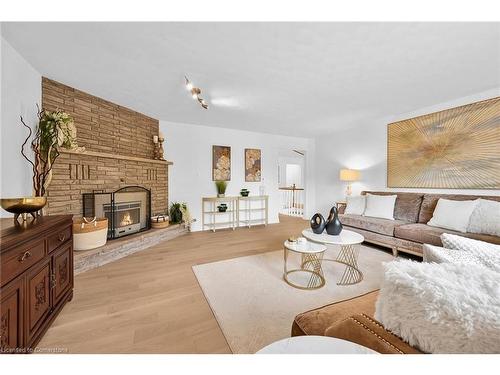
119, 151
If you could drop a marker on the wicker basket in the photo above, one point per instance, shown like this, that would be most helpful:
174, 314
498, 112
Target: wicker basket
89, 233
159, 221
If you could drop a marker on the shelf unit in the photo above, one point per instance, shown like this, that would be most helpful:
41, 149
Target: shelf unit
240, 212
211, 213
253, 204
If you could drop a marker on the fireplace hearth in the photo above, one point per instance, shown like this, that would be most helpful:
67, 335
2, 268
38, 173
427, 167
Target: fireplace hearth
128, 209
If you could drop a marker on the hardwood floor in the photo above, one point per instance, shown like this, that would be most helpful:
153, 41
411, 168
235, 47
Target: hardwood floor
150, 302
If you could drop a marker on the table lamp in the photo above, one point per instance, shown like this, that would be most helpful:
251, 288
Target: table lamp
349, 175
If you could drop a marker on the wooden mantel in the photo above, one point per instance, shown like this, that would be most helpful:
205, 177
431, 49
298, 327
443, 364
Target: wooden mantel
115, 156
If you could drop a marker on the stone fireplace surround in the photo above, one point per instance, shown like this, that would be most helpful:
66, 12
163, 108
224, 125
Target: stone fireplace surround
118, 151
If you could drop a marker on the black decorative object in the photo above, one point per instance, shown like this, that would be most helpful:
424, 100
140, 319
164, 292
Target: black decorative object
333, 224
244, 192
318, 223
222, 207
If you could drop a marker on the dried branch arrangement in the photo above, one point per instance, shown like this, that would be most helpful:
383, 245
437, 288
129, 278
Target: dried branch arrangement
54, 130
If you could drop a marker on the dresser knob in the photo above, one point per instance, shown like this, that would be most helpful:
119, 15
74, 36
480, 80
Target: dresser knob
62, 237
25, 256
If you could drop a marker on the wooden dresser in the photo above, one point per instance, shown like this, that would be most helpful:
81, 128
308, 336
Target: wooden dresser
36, 278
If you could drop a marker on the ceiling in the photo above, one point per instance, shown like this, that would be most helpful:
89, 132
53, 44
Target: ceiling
302, 79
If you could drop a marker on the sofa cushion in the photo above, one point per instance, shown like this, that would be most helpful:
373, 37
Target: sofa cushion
315, 322
373, 224
424, 233
407, 205
430, 201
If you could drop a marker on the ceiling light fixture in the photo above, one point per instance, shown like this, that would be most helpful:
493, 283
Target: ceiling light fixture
195, 93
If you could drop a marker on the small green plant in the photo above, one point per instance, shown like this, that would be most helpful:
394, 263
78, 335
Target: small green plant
175, 213
221, 187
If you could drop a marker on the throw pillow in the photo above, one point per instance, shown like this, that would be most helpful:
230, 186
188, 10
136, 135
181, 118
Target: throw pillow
454, 215
436, 254
381, 206
485, 218
452, 241
441, 308
355, 205
485, 253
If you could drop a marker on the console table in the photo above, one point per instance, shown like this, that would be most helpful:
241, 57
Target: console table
239, 211
213, 213
36, 278
253, 204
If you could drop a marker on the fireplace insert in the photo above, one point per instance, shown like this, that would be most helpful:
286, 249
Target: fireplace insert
128, 209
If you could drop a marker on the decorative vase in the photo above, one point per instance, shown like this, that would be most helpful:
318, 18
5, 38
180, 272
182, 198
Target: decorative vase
333, 224
23, 206
221, 195
318, 223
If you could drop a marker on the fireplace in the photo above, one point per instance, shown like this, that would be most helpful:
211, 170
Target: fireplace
128, 209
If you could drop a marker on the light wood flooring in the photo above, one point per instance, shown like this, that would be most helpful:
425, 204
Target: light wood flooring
150, 302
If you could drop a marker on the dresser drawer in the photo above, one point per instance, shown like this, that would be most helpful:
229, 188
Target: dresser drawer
58, 238
15, 262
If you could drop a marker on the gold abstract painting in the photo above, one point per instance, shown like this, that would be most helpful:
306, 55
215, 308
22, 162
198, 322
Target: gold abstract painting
252, 165
221, 163
458, 148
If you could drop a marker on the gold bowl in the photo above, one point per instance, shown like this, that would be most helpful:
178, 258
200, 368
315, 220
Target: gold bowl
23, 206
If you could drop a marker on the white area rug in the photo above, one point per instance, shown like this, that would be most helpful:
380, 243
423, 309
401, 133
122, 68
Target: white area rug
255, 307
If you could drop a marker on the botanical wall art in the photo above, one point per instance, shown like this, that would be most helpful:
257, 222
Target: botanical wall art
221, 163
458, 148
253, 165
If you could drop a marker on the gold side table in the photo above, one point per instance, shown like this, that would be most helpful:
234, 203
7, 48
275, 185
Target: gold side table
349, 242
311, 257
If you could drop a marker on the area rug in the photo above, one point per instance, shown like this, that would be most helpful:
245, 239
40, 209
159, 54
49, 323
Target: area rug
255, 307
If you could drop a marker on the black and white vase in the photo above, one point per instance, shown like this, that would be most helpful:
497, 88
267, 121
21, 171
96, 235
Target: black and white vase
318, 223
333, 224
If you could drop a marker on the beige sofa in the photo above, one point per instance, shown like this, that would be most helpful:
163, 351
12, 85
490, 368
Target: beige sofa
409, 231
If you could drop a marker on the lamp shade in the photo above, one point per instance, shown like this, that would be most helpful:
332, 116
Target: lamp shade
349, 175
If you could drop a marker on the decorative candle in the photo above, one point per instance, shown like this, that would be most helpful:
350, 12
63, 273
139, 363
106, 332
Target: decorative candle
155, 139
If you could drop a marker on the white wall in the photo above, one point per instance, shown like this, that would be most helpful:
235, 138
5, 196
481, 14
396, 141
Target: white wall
364, 147
20, 92
290, 160
189, 147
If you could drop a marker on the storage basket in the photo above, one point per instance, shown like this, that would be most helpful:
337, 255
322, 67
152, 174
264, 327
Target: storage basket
89, 233
160, 221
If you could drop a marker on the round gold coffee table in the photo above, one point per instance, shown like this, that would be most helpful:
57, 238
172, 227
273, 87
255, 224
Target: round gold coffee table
349, 243
310, 264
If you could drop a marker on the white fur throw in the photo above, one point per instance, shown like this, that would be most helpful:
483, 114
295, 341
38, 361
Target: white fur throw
441, 308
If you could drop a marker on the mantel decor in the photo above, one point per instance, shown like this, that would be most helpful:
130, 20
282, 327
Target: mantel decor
55, 130
455, 149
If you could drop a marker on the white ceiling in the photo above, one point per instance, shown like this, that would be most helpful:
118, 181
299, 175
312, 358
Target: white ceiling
300, 79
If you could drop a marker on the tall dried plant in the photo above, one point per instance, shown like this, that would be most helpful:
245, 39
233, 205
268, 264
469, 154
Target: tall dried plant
54, 130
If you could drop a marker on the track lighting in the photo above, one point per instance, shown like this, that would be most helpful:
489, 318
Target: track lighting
195, 93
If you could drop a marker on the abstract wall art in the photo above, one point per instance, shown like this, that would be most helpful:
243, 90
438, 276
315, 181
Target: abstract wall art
221, 163
253, 165
458, 148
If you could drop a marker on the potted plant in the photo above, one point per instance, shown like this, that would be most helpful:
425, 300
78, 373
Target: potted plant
221, 188
175, 213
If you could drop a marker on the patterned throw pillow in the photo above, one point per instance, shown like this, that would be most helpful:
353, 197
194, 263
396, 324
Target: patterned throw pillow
436, 254
485, 253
